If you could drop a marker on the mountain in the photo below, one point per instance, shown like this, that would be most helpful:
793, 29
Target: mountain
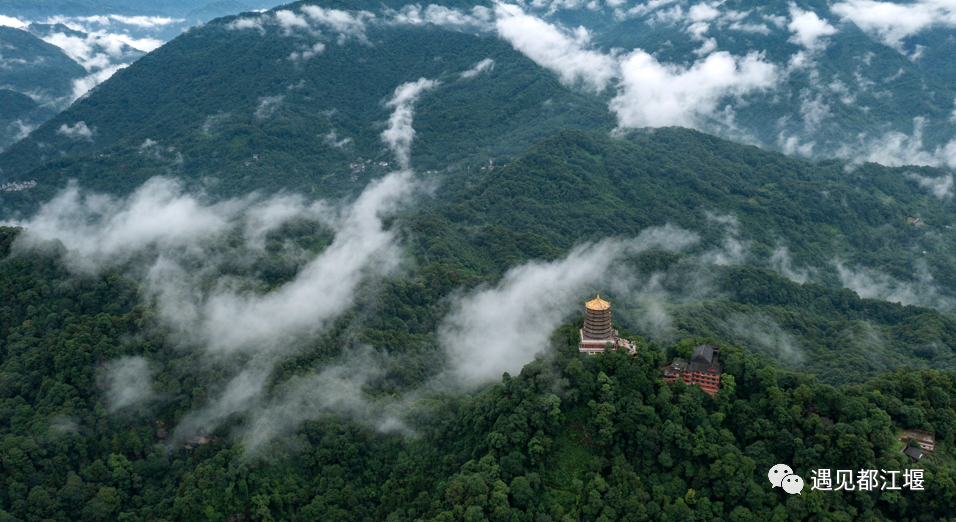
35, 78
32, 65
43, 9
818, 80
214, 10
307, 115
329, 262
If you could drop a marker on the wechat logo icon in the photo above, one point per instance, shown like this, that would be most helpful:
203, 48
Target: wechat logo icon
782, 476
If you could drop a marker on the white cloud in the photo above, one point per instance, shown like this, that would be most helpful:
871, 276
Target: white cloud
500, 328
761, 331
897, 149
480, 17
290, 21
77, 131
146, 21
893, 22
808, 29
792, 145
813, 109
241, 321
22, 129
16, 23
332, 140
642, 9
733, 251
941, 186
554, 49
307, 52
703, 12
777, 20
652, 94
750, 28
873, 284
268, 105
344, 23
485, 65
781, 263
399, 133
105, 231
81, 86
127, 382
246, 23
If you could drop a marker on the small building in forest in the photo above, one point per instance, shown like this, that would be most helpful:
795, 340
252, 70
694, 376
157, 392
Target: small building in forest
704, 369
912, 452
598, 335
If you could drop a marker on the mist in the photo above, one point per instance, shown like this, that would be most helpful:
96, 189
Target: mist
399, 133
500, 328
128, 383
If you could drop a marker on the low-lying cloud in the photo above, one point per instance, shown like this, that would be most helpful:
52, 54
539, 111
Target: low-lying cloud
896, 149
940, 187
500, 328
892, 22
485, 65
875, 284
230, 321
565, 54
128, 383
399, 133
809, 30
77, 131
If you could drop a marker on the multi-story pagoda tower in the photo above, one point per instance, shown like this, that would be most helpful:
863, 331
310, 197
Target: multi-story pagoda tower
597, 333
597, 319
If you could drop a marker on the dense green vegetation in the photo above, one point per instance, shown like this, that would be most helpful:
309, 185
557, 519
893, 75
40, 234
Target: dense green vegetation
30, 65
815, 376
570, 438
207, 125
581, 186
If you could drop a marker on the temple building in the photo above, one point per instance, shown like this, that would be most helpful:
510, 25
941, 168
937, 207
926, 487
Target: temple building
597, 334
704, 369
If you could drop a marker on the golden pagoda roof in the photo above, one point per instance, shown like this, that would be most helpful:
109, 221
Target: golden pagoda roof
598, 304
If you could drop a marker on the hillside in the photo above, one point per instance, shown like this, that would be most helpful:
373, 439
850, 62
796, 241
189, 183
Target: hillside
329, 262
570, 437
584, 186
306, 119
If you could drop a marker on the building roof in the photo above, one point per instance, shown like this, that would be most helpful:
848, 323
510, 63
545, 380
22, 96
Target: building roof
703, 353
678, 366
913, 453
712, 368
598, 304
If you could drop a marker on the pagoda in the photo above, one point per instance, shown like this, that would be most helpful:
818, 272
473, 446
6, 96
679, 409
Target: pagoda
598, 335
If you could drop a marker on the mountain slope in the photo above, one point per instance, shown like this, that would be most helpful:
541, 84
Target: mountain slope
306, 118
584, 186
30, 66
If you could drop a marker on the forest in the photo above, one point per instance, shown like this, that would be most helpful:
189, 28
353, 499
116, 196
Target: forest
568, 438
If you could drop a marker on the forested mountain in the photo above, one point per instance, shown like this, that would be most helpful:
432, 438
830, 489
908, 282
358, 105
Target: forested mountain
30, 66
41, 9
307, 118
328, 262
570, 438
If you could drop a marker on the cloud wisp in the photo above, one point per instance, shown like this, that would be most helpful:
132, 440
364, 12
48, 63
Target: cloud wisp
893, 22
500, 328
127, 382
874, 284
399, 133
649, 93
231, 322
485, 65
